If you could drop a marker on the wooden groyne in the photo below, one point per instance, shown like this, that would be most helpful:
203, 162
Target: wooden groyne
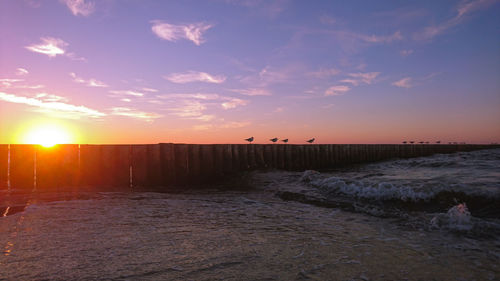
70, 167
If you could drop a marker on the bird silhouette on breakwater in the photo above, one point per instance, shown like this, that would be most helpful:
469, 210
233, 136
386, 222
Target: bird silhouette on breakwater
274, 140
250, 139
311, 140
285, 140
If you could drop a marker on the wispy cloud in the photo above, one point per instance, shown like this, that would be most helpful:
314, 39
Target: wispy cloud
365, 77
171, 32
8, 82
151, 90
405, 53
271, 75
80, 7
324, 72
353, 82
90, 82
252, 92
200, 96
233, 103
21, 71
462, 10
16, 84
326, 19
127, 93
337, 90
403, 83
222, 125
197, 99
270, 8
194, 76
50, 98
396, 36
133, 113
46, 104
190, 109
53, 47
49, 46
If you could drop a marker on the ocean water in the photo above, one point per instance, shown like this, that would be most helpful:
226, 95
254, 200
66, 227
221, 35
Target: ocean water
429, 218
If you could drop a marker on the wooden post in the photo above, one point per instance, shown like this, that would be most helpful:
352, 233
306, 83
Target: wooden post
90, 166
57, 167
228, 167
181, 163
207, 152
194, 160
167, 159
235, 152
288, 157
22, 166
307, 157
281, 156
115, 166
275, 148
259, 156
251, 156
146, 166
219, 160
268, 155
4, 166
243, 152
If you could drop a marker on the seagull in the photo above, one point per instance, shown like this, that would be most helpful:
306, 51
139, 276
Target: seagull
311, 140
285, 140
250, 139
274, 140
405, 142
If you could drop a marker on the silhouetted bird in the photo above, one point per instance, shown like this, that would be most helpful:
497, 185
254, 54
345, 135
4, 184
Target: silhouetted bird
311, 140
274, 140
438, 142
250, 139
285, 140
405, 142
412, 142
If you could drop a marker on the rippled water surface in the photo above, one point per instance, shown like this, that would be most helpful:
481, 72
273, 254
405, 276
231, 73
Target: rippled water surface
252, 233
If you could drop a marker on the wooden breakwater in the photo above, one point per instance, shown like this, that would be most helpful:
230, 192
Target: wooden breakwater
72, 167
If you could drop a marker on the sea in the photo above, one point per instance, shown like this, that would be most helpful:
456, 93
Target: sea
427, 218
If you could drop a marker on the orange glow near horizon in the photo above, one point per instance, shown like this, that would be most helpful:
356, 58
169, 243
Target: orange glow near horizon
48, 135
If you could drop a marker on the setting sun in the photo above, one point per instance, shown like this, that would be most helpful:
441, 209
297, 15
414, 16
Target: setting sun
48, 135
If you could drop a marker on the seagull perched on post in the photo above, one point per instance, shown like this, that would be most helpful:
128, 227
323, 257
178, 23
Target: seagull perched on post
274, 140
311, 140
285, 140
250, 139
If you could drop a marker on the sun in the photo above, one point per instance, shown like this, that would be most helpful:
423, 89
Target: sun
48, 135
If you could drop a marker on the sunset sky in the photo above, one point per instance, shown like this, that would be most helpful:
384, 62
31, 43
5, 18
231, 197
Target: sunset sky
219, 71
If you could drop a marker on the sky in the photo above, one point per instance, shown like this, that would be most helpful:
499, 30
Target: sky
219, 71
